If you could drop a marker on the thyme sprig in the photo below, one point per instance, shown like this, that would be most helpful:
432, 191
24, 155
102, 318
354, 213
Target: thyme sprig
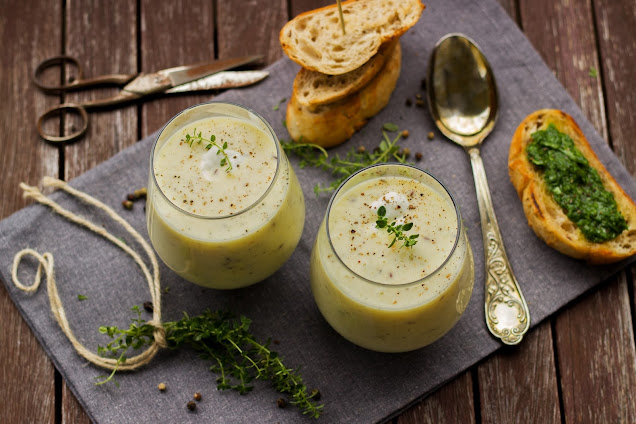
396, 230
227, 343
225, 161
339, 167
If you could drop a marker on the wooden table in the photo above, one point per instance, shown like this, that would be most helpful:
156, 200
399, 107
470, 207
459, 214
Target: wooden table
579, 366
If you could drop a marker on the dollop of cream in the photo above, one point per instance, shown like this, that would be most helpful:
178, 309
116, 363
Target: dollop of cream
210, 164
396, 204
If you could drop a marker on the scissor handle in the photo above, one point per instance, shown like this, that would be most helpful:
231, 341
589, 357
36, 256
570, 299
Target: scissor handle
78, 82
72, 107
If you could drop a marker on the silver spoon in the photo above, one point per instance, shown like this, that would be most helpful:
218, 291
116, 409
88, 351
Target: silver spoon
462, 98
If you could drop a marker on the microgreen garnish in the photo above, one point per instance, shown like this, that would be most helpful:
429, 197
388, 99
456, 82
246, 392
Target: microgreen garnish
341, 168
190, 139
397, 230
226, 342
81, 297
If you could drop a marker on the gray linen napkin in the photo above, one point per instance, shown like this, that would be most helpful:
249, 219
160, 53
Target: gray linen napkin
357, 385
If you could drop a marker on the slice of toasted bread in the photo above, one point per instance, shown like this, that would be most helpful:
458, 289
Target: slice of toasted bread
544, 215
331, 124
314, 88
316, 42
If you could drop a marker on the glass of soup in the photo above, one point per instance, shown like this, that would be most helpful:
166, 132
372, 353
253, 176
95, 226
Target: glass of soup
224, 207
392, 298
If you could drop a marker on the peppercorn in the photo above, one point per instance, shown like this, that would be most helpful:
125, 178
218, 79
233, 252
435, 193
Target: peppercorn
192, 405
419, 156
431, 135
161, 387
408, 103
127, 204
281, 403
148, 306
197, 396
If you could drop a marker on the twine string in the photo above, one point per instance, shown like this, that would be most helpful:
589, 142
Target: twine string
46, 264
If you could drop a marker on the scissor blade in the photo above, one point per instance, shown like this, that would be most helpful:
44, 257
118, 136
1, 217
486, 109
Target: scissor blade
220, 80
184, 74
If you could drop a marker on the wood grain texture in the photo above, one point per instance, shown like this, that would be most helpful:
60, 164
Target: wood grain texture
102, 35
173, 35
596, 356
451, 404
518, 384
27, 389
300, 6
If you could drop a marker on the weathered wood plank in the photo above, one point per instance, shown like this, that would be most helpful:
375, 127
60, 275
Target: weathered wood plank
518, 384
300, 6
173, 35
28, 388
453, 403
596, 356
103, 37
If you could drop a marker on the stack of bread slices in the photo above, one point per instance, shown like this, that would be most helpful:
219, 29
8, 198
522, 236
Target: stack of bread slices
346, 78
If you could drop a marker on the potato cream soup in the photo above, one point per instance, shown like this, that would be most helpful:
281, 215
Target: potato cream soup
225, 209
398, 298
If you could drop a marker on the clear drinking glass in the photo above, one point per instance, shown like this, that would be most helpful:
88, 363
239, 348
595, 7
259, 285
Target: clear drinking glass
215, 228
392, 299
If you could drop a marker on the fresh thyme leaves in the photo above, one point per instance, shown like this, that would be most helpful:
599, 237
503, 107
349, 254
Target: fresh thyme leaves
227, 343
390, 127
593, 73
81, 297
277, 106
397, 230
341, 168
211, 142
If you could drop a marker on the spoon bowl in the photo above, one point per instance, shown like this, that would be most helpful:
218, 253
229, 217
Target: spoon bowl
463, 101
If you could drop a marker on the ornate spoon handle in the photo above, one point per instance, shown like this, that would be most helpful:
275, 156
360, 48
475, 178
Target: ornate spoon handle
507, 314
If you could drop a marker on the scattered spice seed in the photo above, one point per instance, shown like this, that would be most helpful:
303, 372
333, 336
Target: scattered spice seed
405, 133
161, 387
406, 151
420, 103
418, 96
408, 103
315, 394
197, 396
362, 149
431, 135
419, 156
192, 405
127, 204
148, 306
423, 84
281, 403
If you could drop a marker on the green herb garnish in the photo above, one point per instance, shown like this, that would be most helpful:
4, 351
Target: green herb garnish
390, 127
593, 73
81, 297
190, 139
575, 185
396, 230
341, 168
277, 106
226, 342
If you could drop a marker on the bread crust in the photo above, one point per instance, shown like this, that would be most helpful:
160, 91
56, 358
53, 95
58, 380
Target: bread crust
544, 215
315, 41
332, 124
314, 88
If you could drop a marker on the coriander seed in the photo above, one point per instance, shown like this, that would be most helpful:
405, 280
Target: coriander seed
161, 387
197, 396
431, 135
419, 156
281, 402
361, 149
405, 133
192, 405
127, 204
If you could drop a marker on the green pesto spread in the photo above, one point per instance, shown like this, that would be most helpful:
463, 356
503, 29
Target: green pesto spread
575, 185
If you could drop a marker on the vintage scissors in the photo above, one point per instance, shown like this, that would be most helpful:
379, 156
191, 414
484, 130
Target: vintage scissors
182, 78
